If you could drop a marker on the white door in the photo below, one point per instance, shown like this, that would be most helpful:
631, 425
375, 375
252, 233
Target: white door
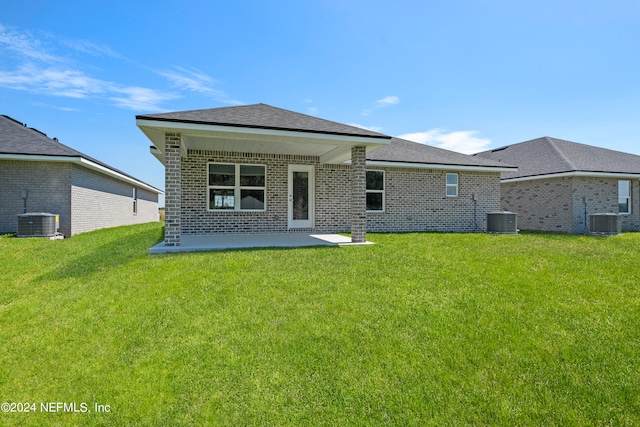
301, 196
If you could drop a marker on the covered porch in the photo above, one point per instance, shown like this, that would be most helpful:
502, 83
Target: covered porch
205, 152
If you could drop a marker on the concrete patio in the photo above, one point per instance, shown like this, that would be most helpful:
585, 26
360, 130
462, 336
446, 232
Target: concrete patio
216, 242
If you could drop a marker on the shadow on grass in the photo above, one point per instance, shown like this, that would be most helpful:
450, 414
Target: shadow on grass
109, 255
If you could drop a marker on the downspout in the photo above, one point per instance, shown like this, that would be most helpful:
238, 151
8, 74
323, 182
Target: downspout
474, 197
586, 225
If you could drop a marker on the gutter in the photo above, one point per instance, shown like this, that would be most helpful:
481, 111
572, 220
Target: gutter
439, 166
621, 175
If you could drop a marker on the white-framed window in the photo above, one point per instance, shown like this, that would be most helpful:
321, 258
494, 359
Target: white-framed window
452, 185
624, 196
375, 191
135, 201
236, 187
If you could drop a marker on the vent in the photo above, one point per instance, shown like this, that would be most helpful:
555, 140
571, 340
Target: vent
37, 225
607, 224
502, 222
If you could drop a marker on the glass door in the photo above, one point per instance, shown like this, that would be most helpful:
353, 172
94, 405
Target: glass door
301, 196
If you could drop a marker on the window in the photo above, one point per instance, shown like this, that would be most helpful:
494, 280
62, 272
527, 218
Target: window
624, 197
375, 191
452, 185
135, 201
237, 187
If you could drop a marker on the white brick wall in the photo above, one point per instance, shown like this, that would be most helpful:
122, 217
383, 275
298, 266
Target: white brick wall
415, 198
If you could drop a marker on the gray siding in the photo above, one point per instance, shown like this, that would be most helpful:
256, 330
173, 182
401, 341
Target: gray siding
48, 186
415, 198
99, 201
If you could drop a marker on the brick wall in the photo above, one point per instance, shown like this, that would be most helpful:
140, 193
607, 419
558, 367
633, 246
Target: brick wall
358, 194
99, 201
415, 198
196, 219
48, 186
563, 204
542, 204
85, 200
600, 195
173, 187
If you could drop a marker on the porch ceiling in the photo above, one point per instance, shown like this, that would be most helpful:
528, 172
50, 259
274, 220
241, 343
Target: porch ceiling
330, 148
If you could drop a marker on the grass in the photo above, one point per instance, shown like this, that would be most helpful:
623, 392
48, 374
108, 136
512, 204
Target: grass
419, 329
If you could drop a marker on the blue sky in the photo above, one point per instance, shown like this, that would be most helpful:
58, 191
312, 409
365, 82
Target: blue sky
463, 75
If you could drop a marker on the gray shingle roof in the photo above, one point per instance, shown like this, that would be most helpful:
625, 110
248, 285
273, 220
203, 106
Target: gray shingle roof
404, 151
17, 138
543, 156
267, 117
262, 116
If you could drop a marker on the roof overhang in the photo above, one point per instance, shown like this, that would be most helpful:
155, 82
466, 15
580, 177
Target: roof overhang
440, 166
615, 175
329, 148
82, 162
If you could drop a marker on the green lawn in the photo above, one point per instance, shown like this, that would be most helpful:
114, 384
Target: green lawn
418, 329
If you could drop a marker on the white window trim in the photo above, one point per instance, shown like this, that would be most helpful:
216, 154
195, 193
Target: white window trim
627, 197
456, 185
383, 191
236, 188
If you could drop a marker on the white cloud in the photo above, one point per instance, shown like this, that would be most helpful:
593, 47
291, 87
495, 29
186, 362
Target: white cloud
386, 101
70, 83
34, 68
91, 48
140, 98
52, 81
195, 80
381, 103
464, 141
371, 128
24, 45
312, 110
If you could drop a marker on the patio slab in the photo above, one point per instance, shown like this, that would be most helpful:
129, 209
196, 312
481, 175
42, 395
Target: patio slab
217, 242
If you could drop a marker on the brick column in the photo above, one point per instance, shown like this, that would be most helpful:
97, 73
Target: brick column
172, 188
358, 194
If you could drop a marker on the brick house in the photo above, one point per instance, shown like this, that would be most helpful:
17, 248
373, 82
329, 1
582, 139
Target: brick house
262, 169
86, 193
559, 183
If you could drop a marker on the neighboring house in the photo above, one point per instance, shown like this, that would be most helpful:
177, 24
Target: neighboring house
262, 169
559, 183
86, 193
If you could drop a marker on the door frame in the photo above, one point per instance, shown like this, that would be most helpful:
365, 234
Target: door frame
297, 223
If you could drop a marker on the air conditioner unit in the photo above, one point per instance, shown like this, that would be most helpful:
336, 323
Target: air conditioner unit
608, 224
38, 224
502, 222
